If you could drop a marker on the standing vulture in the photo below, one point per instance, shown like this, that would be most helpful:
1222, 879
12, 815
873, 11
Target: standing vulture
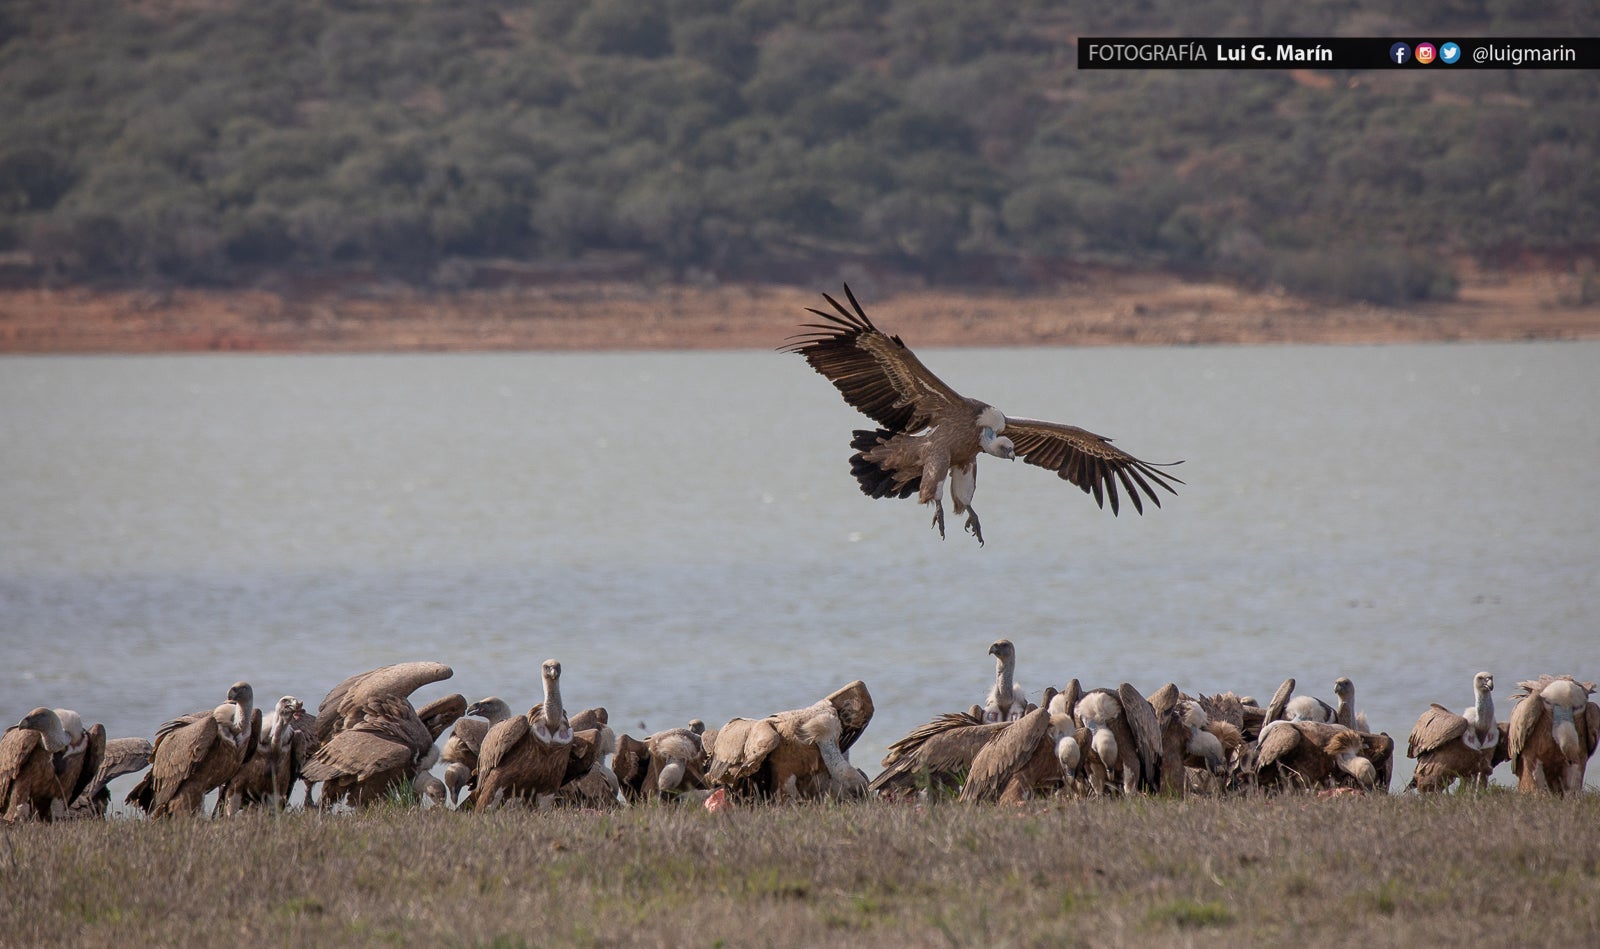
1554, 729
936, 756
666, 764
461, 749
527, 755
122, 756
1448, 746
1036, 755
28, 783
198, 752
1312, 754
371, 739
931, 431
280, 756
79, 762
1006, 702
795, 755
1124, 739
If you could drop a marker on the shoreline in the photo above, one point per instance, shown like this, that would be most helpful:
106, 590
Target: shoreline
1102, 309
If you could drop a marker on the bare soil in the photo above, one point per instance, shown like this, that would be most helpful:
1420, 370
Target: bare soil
1101, 308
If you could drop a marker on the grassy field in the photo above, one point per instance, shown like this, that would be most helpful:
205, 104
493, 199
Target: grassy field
1489, 869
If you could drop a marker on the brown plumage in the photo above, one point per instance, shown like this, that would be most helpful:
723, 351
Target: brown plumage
1293, 754
589, 783
280, 757
1448, 746
1553, 732
798, 754
930, 431
666, 764
527, 755
345, 704
1124, 741
461, 749
122, 756
79, 762
382, 751
1021, 762
29, 786
199, 752
937, 755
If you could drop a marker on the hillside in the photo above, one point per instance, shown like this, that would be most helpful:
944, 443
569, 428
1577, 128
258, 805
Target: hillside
223, 143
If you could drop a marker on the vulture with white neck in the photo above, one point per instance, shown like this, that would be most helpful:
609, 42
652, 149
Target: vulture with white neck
1554, 730
1448, 746
931, 432
197, 753
29, 786
79, 762
526, 755
1034, 756
664, 765
280, 756
1123, 744
1006, 702
1295, 754
800, 754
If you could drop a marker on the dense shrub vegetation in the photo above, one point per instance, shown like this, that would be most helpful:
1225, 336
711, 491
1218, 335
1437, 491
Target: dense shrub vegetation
210, 142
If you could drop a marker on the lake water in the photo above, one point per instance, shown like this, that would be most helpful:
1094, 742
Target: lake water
682, 532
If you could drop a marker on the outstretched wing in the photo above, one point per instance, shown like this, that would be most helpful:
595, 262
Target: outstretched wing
1089, 461
874, 372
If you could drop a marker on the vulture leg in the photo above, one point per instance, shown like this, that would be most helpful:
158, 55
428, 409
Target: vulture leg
972, 525
938, 516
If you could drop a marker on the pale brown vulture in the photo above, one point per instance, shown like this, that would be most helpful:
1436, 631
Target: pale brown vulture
79, 762
29, 786
280, 756
1345, 714
1006, 702
1037, 755
1554, 730
931, 431
794, 755
936, 756
527, 755
371, 740
1448, 746
122, 756
196, 753
1124, 740
665, 765
461, 749
1299, 754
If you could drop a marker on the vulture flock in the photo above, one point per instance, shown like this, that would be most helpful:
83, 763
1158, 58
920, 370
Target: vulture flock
368, 743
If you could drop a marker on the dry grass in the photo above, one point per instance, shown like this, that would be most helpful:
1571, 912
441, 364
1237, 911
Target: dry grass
1490, 869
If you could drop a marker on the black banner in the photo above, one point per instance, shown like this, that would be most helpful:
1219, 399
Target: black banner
1337, 52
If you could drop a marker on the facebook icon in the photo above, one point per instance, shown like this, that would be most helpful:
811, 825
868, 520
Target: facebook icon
1398, 53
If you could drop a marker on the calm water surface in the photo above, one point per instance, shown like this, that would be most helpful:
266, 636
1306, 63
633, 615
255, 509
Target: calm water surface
681, 530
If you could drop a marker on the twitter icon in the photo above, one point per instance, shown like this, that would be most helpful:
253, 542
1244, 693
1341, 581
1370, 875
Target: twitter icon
1449, 53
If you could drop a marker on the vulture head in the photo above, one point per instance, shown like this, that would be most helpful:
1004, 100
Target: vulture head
1345, 747
48, 724
1344, 688
72, 724
241, 693
991, 422
1483, 683
494, 708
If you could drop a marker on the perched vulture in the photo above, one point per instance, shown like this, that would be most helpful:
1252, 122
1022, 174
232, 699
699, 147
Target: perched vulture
1006, 702
198, 752
29, 786
280, 755
666, 764
1554, 730
794, 755
1124, 740
931, 431
936, 756
370, 738
527, 755
1346, 713
1312, 754
1448, 746
461, 749
1035, 755
345, 704
1191, 741
122, 756
79, 762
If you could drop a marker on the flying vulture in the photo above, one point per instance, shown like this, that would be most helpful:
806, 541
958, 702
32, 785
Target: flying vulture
931, 431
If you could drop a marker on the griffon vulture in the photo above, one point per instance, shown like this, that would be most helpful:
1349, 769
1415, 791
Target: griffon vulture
526, 755
29, 786
387, 748
1312, 754
1037, 754
797, 754
1006, 702
1124, 739
936, 756
665, 764
196, 753
931, 431
280, 756
79, 762
122, 756
589, 782
1448, 746
1554, 730
461, 749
